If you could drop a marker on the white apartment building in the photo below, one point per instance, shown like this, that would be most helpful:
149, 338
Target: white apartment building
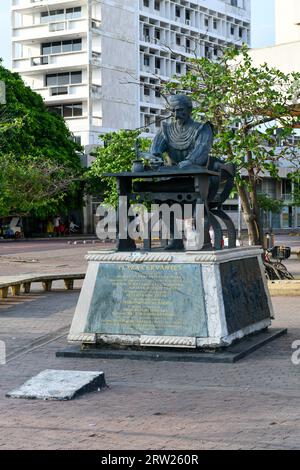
287, 13
96, 62
86, 57
284, 55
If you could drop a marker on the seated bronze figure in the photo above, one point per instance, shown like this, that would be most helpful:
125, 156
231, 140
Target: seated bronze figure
187, 144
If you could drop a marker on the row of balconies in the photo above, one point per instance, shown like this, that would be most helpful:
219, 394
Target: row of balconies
29, 4
43, 63
188, 13
71, 92
54, 29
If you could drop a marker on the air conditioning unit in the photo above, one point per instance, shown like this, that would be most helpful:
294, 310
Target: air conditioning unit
188, 22
147, 38
157, 71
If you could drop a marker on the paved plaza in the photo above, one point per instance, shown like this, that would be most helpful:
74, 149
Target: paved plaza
253, 404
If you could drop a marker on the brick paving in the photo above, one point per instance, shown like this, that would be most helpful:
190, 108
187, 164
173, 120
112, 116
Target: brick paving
253, 404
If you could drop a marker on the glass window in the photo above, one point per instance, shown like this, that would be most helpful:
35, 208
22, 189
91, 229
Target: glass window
77, 45
56, 48
51, 80
68, 110
46, 48
63, 78
44, 17
76, 77
77, 12
77, 109
63, 90
67, 46
72, 13
56, 109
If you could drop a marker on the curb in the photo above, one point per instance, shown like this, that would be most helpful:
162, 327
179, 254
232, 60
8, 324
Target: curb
284, 288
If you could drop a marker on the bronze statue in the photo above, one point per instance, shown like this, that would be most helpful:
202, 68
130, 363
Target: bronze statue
185, 141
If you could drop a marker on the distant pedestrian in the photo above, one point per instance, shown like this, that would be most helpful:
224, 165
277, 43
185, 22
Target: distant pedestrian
56, 224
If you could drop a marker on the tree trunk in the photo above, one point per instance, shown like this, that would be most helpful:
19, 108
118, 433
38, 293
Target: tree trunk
250, 217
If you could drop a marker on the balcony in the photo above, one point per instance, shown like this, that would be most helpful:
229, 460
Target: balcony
43, 63
64, 93
40, 4
47, 31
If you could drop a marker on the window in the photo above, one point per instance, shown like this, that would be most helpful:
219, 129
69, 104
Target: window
76, 77
46, 48
177, 12
67, 110
215, 24
67, 78
157, 5
77, 139
72, 13
178, 40
232, 30
178, 67
56, 47
157, 63
157, 34
67, 46
57, 91
206, 22
146, 60
58, 15
240, 32
61, 47
234, 3
146, 91
146, 3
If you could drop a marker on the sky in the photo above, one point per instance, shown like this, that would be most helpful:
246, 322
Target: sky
262, 26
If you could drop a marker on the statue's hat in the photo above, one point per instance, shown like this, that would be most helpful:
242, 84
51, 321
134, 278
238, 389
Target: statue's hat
182, 100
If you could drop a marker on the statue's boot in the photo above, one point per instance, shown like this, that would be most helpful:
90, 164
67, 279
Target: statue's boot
175, 245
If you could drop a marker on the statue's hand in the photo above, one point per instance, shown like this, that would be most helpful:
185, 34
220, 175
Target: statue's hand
184, 164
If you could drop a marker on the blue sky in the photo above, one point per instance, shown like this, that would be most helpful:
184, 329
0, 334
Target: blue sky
262, 26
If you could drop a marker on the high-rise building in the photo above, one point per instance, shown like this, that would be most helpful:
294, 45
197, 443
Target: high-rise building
87, 57
287, 13
97, 62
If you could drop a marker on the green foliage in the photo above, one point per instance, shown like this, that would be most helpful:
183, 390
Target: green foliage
31, 185
116, 155
34, 143
268, 204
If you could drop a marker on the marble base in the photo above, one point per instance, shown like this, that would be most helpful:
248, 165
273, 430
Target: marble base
194, 300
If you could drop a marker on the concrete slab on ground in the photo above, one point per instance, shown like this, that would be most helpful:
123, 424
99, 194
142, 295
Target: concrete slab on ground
59, 385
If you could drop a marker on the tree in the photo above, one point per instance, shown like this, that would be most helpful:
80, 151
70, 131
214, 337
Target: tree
116, 155
29, 185
40, 162
247, 105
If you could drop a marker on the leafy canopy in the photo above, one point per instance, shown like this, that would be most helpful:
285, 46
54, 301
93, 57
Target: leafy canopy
116, 155
39, 160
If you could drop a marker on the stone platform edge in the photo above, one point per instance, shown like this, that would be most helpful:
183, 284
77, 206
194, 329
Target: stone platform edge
232, 354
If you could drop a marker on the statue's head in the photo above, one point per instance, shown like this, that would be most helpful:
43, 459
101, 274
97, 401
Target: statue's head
181, 107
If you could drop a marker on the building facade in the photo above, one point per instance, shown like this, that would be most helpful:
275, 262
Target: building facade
284, 55
98, 63
287, 17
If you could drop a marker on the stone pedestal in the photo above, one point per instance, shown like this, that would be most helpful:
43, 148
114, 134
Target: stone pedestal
177, 300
